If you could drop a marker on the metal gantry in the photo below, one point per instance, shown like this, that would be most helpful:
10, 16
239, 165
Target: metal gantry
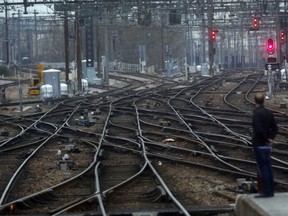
177, 30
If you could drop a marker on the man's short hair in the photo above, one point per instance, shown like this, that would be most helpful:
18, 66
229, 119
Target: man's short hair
259, 98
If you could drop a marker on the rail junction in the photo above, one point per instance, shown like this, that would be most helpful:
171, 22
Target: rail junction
167, 147
133, 107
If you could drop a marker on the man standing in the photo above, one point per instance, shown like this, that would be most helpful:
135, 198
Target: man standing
264, 132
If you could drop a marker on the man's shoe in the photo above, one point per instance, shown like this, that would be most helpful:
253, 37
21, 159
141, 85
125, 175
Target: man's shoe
263, 196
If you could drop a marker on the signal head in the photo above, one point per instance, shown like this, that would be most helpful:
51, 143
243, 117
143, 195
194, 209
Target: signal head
270, 46
256, 23
213, 35
282, 36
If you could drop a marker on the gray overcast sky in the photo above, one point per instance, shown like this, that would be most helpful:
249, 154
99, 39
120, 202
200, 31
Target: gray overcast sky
41, 9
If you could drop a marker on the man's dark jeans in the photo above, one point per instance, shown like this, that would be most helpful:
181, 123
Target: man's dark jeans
264, 166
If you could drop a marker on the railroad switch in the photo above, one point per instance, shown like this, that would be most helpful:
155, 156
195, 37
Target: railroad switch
38, 108
66, 163
91, 117
83, 122
246, 186
87, 119
71, 148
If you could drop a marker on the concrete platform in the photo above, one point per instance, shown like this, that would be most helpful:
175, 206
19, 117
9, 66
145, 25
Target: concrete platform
247, 205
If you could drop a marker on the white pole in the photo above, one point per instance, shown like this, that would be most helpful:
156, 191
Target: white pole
270, 81
186, 69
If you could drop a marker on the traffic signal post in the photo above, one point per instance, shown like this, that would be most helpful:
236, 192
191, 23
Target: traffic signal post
272, 67
212, 40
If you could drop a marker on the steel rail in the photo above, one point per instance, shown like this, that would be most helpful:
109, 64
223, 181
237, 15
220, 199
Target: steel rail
52, 188
240, 136
147, 161
237, 86
18, 171
196, 135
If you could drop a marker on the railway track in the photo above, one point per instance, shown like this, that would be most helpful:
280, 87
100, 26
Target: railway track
153, 148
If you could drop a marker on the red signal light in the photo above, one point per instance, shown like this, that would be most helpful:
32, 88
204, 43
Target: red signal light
256, 23
270, 46
213, 35
282, 36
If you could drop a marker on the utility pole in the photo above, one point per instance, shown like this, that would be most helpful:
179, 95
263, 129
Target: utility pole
18, 39
203, 50
191, 42
78, 51
278, 30
98, 43
66, 46
286, 41
162, 44
242, 57
279, 49
36, 35
19, 63
12, 40
106, 60
211, 44
6, 34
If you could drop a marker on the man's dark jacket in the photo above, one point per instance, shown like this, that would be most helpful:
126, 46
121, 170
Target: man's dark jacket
264, 126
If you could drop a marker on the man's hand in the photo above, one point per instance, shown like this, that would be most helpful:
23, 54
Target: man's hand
271, 142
